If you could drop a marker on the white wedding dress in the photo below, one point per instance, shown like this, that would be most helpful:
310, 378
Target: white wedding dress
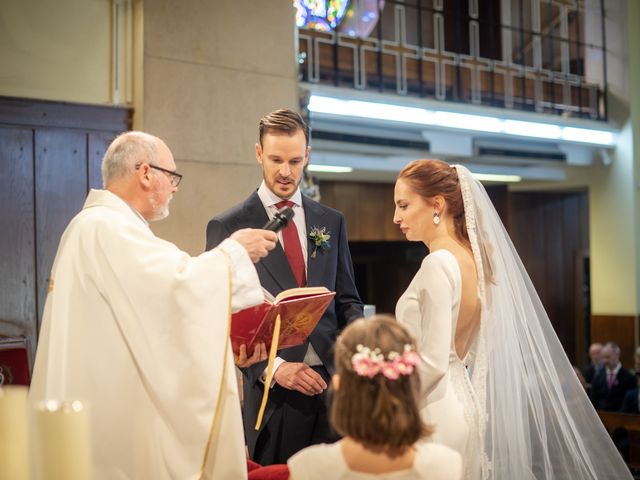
514, 408
429, 308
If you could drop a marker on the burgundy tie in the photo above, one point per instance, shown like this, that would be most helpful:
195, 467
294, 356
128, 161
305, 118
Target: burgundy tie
611, 379
292, 248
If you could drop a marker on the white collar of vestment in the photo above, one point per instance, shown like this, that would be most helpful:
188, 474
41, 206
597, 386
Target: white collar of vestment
105, 198
268, 198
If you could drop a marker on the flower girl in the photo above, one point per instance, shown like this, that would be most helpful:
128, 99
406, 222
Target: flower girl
375, 408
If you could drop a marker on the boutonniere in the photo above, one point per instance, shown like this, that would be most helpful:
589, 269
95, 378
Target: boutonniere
320, 237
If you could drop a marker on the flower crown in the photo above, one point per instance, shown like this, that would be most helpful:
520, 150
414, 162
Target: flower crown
369, 363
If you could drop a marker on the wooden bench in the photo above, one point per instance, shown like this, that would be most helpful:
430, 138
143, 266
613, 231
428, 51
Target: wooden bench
630, 422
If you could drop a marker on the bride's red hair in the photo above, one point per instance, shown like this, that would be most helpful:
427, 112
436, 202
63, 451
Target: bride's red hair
429, 178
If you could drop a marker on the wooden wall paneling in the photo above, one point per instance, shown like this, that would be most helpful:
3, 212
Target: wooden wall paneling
371, 201
582, 296
368, 209
620, 329
547, 230
97, 145
526, 220
61, 188
17, 258
575, 212
375, 201
45, 113
582, 306
387, 210
388, 269
343, 196
554, 287
499, 195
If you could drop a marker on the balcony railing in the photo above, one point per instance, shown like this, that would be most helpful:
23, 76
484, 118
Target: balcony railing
545, 56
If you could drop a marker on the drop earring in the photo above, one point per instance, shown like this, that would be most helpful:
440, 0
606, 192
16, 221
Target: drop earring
436, 218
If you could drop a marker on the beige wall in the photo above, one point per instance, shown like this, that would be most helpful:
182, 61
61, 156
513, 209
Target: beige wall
210, 72
613, 194
634, 76
613, 241
614, 203
56, 50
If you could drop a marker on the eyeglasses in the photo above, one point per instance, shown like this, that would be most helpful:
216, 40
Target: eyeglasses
174, 177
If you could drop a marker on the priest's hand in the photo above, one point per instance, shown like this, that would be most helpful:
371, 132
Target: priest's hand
300, 377
256, 242
259, 355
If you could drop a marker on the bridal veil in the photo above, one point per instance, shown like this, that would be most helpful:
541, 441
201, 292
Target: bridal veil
538, 423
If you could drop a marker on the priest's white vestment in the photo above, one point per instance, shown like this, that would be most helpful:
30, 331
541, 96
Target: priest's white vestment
137, 329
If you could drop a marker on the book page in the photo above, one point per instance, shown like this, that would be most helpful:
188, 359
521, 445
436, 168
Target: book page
268, 297
300, 292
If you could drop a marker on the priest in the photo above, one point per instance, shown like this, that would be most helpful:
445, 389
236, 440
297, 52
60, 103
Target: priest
138, 329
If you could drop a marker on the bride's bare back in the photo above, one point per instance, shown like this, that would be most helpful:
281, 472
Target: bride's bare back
469, 314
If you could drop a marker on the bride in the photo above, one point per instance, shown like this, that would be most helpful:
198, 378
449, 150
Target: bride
498, 386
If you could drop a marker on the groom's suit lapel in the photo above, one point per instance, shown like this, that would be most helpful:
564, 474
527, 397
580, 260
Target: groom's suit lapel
313, 215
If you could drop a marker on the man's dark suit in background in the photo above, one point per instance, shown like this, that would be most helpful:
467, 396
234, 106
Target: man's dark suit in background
630, 402
610, 399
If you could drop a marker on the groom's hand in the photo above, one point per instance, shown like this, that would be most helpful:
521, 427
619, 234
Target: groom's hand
300, 377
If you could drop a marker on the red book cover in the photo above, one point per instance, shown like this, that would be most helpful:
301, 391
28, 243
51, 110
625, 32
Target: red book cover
14, 361
300, 309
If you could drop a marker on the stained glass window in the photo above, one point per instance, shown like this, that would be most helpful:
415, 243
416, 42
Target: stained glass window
322, 15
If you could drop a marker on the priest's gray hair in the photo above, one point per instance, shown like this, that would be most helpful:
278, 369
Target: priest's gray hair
125, 152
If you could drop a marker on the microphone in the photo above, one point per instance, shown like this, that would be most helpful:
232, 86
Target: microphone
279, 220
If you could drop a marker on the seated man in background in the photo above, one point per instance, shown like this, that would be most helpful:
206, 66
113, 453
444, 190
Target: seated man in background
630, 401
612, 382
621, 435
595, 351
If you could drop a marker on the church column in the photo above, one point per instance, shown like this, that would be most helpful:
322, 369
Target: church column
212, 69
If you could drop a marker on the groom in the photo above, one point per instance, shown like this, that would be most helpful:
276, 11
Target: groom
296, 413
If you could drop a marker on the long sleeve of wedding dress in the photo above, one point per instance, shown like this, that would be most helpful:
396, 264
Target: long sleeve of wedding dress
430, 308
427, 309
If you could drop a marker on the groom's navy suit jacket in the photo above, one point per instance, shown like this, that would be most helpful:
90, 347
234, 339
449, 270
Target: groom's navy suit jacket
332, 268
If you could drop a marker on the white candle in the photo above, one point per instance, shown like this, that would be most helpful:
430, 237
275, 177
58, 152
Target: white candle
14, 454
63, 442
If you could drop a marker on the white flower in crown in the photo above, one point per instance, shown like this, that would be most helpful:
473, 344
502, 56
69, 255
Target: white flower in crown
368, 363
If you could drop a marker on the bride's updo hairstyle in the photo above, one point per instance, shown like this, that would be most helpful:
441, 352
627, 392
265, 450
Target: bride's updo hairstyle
376, 399
429, 178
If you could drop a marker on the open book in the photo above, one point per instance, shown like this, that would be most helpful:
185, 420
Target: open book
300, 309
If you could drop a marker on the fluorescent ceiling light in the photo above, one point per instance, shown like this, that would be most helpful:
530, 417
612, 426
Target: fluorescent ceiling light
478, 123
329, 169
465, 121
496, 177
532, 129
587, 135
378, 111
